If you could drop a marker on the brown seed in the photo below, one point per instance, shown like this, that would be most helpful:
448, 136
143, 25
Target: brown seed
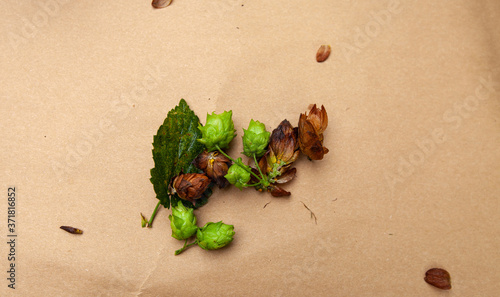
438, 278
71, 230
161, 3
323, 53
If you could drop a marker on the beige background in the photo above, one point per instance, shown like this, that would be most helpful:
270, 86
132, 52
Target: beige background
412, 89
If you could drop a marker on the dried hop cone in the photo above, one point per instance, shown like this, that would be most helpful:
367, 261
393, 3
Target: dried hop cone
190, 186
218, 131
182, 222
215, 235
283, 149
215, 165
311, 128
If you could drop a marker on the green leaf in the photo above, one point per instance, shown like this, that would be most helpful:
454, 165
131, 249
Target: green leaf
174, 148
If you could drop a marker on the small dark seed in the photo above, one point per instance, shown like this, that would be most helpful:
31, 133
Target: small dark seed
438, 278
71, 230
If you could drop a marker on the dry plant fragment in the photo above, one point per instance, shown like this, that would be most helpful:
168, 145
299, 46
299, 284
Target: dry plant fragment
323, 53
161, 3
311, 128
438, 278
312, 213
144, 221
71, 230
277, 191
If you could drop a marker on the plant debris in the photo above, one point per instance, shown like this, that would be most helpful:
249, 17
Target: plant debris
71, 230
144, 221
312, 213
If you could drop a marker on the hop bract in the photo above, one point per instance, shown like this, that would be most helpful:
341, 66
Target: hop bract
218, 131
182, 222
255, 139
215, 235
237, 175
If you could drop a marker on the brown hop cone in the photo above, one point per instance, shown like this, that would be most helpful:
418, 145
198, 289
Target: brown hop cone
283, 149
215, 165
311, 128
276, 162
190, 186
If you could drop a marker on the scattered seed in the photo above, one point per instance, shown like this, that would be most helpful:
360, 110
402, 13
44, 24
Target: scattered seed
323, 53
161, 3
71, 230
438, 278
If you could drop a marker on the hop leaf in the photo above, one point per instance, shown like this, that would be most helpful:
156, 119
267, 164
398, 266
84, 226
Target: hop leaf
174, 148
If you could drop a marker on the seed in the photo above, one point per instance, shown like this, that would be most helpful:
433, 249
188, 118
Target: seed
71, 230
161, 3
438, 278
323, 53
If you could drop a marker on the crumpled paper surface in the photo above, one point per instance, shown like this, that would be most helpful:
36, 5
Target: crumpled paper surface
412, 91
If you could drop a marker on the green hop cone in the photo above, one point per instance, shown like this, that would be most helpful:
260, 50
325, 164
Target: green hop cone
218, 131
182, 221
237, 175
215, 235
255, 139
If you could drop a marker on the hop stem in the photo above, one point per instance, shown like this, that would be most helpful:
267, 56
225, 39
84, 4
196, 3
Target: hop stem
262, 181
185, 247
258, 167
150, 222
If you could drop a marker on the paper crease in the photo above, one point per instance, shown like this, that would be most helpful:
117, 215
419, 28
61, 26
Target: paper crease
148, 276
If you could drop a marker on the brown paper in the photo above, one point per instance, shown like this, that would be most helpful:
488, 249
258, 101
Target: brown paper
412, 91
